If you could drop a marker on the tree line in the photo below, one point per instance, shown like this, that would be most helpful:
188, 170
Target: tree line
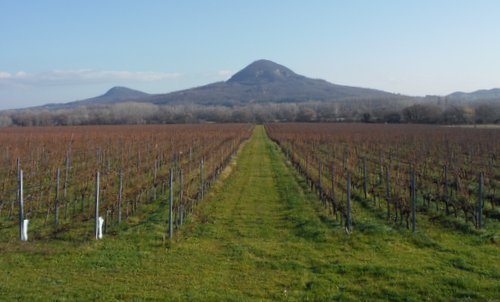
370, 111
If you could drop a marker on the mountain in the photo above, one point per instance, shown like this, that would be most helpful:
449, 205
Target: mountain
491, 94
261, 81
263, 71
119, 93
114, 95
266, 81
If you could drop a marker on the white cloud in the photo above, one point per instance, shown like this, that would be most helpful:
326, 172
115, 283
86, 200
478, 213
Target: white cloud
21, 74
225, 73
83, 76
4, 75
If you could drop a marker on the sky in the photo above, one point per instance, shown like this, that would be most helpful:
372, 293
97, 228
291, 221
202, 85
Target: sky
59, 51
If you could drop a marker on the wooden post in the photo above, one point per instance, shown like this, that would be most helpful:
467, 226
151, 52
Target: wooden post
56, 203
334, 203
106, 221
480, 201
202, 187
96, 226
18, 166
155, 171
446, 197
364, 177
307, 166
190, 205
387, 190
348, 203
181, 197
66, 175
380, 177
413, 197
120, 195
320, 188
21, 203
138, 161
344, 159
170, 204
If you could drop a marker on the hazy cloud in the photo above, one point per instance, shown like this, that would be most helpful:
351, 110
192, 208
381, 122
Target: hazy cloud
225, 73
4, 75
82, 76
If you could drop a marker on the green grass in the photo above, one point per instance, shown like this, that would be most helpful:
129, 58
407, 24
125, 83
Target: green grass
259, 235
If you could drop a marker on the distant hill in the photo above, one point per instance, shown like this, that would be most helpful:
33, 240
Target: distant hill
484, 94
266, 81
114, 95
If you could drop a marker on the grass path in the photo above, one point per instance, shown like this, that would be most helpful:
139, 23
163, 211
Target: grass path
258, 236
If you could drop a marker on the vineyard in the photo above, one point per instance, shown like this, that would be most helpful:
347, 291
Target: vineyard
65, 178
403, 169
237, 212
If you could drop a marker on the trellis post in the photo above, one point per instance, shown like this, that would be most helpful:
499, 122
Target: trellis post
348, 203
96, 226
480, 201
413, 197
170, 205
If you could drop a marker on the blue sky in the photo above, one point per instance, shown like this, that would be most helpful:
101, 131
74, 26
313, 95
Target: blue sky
55, 51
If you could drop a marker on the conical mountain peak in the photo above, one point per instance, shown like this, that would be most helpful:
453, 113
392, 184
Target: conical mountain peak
262, 71
120, 92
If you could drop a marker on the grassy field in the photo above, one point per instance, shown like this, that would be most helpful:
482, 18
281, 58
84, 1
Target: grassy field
259, 235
